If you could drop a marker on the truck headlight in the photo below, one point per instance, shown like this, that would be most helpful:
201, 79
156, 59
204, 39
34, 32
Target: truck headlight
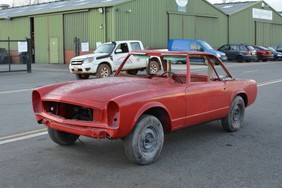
88, 60
218, 55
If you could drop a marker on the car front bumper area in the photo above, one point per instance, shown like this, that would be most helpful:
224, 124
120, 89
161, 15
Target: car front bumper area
86, 68
85, 128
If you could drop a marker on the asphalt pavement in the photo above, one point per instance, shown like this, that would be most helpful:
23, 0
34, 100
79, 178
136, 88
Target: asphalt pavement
200, 156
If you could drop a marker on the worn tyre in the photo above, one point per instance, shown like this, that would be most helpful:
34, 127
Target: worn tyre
82, 76
103, 71
240, 59
144, 144
62, 138
154, 67
234, 121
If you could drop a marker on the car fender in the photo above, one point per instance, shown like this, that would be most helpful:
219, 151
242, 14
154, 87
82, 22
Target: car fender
147, 107
241, 93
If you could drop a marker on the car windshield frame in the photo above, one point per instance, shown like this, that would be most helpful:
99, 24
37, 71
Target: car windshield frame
105, 48
211, 61
206, 45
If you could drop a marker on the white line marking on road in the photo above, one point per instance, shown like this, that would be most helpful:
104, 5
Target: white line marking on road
15, 91
22, 138
22, 134
251, 71
269, 83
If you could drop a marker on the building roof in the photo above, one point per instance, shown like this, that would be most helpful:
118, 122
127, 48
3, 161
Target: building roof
231, 8
57, 6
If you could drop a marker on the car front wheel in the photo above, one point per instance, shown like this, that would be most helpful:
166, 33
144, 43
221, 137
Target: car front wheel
234, 120
103, 71
144, 144
62, 138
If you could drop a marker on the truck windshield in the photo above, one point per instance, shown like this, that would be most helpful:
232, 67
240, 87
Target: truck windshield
206, 45
105, 48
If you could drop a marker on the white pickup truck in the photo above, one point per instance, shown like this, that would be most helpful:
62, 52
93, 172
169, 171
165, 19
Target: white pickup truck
107, 58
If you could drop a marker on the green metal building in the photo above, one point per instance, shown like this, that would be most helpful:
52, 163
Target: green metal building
54, 26
253, 23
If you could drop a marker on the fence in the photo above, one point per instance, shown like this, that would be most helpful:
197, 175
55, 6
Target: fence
15, 55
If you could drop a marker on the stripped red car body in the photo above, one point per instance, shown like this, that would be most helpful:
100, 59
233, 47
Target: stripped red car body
115, 107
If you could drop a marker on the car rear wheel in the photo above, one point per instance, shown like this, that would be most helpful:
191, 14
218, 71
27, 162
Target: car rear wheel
234, 120
103, 71
62, 138
145, 142
240, 59
82, 76
154, 67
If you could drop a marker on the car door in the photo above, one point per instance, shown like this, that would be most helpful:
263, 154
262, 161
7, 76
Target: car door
119, 55
207, 100
226, 49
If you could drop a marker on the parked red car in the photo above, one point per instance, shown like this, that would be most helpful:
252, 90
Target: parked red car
140, 108
263, 53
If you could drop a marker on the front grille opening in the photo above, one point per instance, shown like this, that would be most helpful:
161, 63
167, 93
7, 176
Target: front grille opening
69, 111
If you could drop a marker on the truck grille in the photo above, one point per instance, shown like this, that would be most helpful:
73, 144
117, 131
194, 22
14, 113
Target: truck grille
76, 63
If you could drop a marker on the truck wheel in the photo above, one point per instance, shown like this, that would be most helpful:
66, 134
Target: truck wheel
82, 76
234, 120
103, 71
145, 142
62, 138
154, 67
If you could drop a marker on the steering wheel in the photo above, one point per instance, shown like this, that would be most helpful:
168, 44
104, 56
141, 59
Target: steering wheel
179, 80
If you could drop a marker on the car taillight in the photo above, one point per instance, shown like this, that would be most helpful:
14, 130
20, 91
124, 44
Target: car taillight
248, 51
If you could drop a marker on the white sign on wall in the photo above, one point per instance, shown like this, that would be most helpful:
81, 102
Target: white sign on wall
85, 46
22, 47
262, 14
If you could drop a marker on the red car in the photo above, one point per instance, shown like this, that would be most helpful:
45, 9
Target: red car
263, 53
140, 108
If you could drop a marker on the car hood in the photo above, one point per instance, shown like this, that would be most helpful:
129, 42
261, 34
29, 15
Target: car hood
101, 90
82, 57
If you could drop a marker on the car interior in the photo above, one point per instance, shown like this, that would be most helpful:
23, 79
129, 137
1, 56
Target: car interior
203, 68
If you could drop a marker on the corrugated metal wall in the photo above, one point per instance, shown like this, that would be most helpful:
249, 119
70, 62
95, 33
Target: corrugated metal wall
144, 20
48, 34
75, 25
88, 26
154, 26
151, 21
200, 21
41, 39
245, 29
97, 27
16, 29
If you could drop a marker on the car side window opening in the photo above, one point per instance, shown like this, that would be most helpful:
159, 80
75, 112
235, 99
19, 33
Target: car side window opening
195, 47
122, 48
135, 46
234, 47
226, 47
